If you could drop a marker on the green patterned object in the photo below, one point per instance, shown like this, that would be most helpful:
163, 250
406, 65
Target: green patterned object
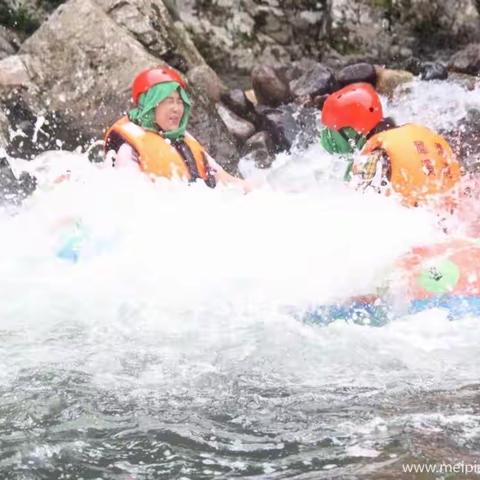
440, 277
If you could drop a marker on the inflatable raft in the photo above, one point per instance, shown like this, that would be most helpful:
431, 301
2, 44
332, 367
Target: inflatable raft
444, 275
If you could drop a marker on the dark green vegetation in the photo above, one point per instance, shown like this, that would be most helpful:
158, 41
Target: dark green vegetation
25, 18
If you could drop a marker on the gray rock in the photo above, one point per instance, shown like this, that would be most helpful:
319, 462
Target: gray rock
12, 189
9, 42
289, 125
397, 29
83, 67
14, 70
237, 101
388, 80
209, 129
465, 140
467, 60
269, 88
206, 82
433, 71
294, 70
358, 72
31, 128
242, 33
260, 149
241, 129
151, 23
278, 125
318, 80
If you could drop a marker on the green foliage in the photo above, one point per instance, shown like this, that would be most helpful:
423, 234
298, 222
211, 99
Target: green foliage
385, 4
19, 18
24, 19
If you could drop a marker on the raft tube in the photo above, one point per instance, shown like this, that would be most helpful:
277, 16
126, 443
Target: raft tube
440, 276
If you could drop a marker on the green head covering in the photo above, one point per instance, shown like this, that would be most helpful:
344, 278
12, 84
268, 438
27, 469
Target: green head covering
144, 113
344, 142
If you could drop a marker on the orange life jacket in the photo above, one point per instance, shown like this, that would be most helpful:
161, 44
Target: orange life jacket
156, 154
421, 161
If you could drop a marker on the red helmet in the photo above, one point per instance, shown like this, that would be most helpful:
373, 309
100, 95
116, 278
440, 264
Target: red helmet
356, 106
151, 76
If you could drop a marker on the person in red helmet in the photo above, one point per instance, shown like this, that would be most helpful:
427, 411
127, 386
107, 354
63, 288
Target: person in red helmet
350, 115
410, 160
153, 135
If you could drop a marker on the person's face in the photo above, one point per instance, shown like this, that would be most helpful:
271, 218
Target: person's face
169, 112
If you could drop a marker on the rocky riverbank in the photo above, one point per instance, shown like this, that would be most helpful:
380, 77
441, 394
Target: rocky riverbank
65, 70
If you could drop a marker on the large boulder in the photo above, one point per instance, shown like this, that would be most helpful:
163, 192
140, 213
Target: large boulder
151, 23
240, 128
465, 140
388, 80
237, 101
289, 125
9, 42
206, 82
26, 16
15, 70
260, 149
238, 34
357, 72
14, 189
392, 31
467, 60
81, 63
316, 80
84, 65
270, 88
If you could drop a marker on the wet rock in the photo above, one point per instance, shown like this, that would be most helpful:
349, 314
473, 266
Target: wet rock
12, 189
208, 128
238, 34
393, 30
32, 129
206, 82
9, 42
469, 82
318, 101
85, 66
433, 71
294, 70
251, 97
238, 102
388, 80
269, 88
260, 149
25, 16
280, 125
150, 22
241, 129
289, 125
467, 60
465, 140
411, 64
14, 70
358, 72
317, 80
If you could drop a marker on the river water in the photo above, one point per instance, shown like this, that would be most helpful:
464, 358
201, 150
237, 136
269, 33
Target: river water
174, 348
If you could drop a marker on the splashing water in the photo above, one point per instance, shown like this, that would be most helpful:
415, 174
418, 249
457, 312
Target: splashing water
169, 349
